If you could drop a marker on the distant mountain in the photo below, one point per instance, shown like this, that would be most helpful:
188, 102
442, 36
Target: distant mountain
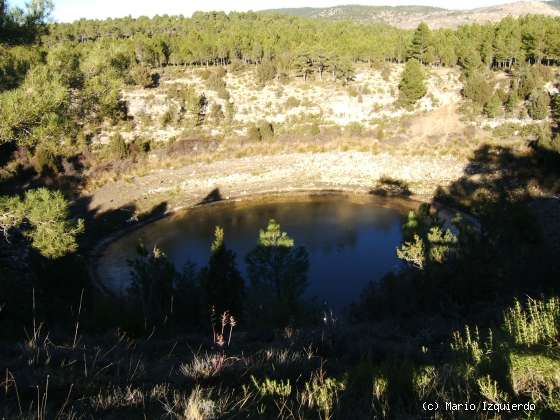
409, 17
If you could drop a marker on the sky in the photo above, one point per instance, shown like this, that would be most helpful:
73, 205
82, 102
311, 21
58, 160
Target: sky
69, 10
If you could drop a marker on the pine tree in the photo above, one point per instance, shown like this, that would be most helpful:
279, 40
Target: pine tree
539, 104
421, 43
153, 277
220, 279
278, 269
412, 86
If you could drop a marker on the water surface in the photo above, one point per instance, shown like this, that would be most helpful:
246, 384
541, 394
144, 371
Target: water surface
350, 241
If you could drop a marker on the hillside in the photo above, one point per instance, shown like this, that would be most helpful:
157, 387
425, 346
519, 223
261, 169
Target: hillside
408, 17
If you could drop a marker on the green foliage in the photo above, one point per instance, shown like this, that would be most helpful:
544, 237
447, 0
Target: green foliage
412, 86
272, 388
47, 221
216, 114
478, 89
64, 61
535, 375
277, 271
40, 102
539, 104
253, 133
512, 101
322, 393
493, 106
24, 26
152, 280
118, 147
220, 279
266, 130
102, 96
266, 71
426, 243
537, 322
470, 345
46, 161
140, 76
12, 214
15, 62
420, 48
555, 108
529, 79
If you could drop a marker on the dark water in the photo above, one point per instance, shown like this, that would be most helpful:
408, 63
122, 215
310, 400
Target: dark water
350, 242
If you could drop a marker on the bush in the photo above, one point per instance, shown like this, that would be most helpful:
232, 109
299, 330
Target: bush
538, 322
386, 72
140, 76
46, 161
539, 104
478, 89
216, 113
266, 130
266, 72
253, 133
354, 129
118, 147
492, 107
230, 111
216, 82
412, 86
512, 101
292, 102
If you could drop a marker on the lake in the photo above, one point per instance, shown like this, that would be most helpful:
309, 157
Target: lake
351, 240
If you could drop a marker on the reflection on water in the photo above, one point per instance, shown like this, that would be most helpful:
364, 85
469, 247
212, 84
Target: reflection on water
350, 243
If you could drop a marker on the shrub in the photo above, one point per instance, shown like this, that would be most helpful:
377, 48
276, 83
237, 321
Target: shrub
354, 129
512, 101
216, 113
230, 111
538, 322
266, 71
539, 103
412, 86
292, 102
386, 72
314, 129
266, 130
272, 388
492, 107
118, 147
216, 82
253, 133
534, 375
478, 89
142, 144
46, 161
321, 393
140, 75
